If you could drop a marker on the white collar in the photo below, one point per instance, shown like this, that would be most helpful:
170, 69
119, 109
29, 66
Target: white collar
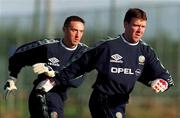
133, 44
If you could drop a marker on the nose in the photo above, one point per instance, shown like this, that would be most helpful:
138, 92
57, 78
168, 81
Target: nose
79, 33
140, 28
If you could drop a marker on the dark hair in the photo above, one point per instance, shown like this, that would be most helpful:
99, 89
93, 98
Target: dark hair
135, 13
72, 18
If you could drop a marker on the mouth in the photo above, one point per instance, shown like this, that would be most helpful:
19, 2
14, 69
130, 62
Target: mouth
76, 41
138, 34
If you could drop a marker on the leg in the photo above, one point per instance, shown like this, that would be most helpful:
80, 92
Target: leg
102, 107
55, 105
119, 111
35, 106
116, 106
44, 107
96, 107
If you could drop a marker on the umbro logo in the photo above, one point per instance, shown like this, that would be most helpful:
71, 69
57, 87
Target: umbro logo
116, 58
53, 61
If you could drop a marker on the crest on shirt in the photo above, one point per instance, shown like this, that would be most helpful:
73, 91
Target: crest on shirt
118, 115
116, 58
53, 61
141, 59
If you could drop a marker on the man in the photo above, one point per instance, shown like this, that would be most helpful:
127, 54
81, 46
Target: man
120, 62
49, 52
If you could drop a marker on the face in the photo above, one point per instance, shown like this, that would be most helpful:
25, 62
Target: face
134, 30
73, 33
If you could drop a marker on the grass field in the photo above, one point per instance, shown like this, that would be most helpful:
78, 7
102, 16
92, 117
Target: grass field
138, 107
153, 108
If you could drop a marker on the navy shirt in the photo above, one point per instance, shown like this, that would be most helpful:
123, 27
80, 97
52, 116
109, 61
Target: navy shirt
50, 51
119, 65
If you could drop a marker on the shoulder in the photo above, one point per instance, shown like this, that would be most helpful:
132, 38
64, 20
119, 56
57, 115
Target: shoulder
48, 41
82, 48
108, 42
36, 44
83, 45
146, 47
147, 50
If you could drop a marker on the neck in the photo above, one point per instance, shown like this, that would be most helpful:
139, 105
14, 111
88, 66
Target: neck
126, 38
67, 44
127, 41
68, 47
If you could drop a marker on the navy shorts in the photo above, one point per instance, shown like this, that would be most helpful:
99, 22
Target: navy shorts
54, 102
103, 106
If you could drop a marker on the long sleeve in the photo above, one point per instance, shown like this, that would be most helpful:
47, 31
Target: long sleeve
25, 55
76, 82
80, 66
154, 69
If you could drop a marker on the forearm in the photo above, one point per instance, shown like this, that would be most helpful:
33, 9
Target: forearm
14, 68
77, 68
76, 82
69, 75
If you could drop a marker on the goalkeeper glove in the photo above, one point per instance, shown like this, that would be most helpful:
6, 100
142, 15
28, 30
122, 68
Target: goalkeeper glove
40, 68
9, 86
159, 85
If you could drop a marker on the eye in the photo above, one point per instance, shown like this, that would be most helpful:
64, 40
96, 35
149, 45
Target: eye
73, 30
135, 25
143, 26
81, 31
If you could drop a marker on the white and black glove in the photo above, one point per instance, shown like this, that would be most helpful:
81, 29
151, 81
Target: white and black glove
45, 85
40, 68
9, 86
159, 85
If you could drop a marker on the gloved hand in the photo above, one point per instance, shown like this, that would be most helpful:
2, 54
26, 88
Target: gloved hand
9, 86
45, 85
159, 85
40, 68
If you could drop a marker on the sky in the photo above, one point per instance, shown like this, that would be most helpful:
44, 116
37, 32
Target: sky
25, 8
10, 7
15, 7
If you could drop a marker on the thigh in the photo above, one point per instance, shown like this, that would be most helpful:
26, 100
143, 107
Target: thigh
96, 106
118, 111
55, 103
101, 107
35, 108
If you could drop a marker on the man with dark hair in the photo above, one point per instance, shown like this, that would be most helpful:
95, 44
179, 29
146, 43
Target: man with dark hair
120, 62
53, 54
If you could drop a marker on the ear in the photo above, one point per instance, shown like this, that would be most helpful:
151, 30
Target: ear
64, 29
125, 24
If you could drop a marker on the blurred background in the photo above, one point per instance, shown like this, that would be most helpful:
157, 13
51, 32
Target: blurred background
22, 21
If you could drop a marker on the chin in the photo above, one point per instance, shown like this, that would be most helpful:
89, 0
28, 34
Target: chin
74, 44
137, 39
